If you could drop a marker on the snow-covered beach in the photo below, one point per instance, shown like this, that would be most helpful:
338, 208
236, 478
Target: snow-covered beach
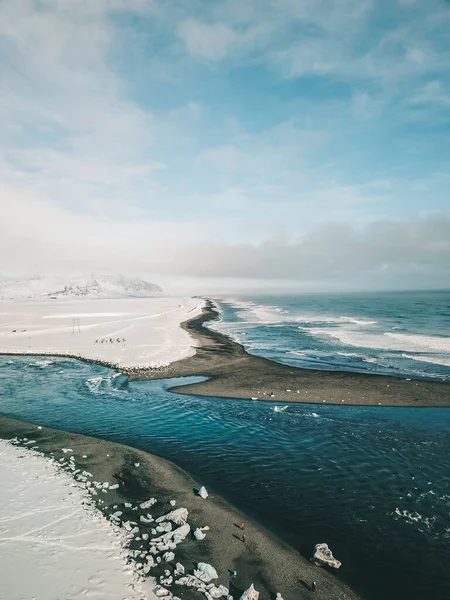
54, 543
125, 332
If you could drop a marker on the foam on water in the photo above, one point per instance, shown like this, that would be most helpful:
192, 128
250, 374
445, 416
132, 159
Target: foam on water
100, 384
429, 358
394, 334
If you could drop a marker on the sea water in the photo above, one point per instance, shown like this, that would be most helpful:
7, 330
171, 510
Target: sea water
394, 333
372, 482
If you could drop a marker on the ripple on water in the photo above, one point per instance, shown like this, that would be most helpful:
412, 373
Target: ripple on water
373, 483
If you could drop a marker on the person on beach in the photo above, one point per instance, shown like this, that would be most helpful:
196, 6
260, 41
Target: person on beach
234, 573
313, 586
243, 537
242, 526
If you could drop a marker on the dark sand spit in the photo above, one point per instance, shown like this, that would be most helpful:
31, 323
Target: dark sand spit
234, 373
263, 559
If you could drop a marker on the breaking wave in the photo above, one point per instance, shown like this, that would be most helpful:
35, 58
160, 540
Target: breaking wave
383, 334
106, 384
262, 313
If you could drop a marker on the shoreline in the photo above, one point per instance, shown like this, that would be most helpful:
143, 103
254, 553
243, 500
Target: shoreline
234, 373
263, 559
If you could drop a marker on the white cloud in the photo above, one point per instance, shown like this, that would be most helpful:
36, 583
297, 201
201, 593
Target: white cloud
432, 92
210, 41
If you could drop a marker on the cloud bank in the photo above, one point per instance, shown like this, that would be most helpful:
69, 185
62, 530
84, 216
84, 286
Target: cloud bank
272, 140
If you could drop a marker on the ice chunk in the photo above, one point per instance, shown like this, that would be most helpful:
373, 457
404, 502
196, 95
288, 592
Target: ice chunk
164, 527
250, 594
148, 503
147, 519
214, 592
202, 492
324, 557
168, 556
160, 591
179, 534
205, 572
179, 516
199, 535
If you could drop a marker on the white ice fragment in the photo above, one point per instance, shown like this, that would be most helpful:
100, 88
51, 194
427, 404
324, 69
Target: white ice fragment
213, 591
105, 485
324, 557
137, 464
146, 519
202, 492
128, 505
250, 594
160, 591
66, 450
179, 569
168, 556
179, 516
164, 527
199, 535
115, 486
148, 503
166, 580
39, 427
225, 591
172, 502
205, 572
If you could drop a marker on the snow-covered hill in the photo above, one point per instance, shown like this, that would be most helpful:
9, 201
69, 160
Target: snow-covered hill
105, 286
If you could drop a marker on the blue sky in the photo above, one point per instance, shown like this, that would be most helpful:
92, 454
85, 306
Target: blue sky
297, 140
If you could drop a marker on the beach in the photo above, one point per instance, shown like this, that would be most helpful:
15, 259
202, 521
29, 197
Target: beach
168, 337
234, 373
122, 333
262, 559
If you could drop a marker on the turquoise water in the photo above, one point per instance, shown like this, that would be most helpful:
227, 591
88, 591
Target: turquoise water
374, 483
405, 334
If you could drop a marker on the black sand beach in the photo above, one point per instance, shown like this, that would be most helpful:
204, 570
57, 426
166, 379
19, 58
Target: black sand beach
234, 373
263, 559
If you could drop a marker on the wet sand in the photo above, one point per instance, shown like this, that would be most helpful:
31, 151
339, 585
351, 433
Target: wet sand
234, 373
263, 559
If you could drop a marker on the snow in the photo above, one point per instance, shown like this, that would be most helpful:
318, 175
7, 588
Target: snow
54, 544
144, 332
93, 286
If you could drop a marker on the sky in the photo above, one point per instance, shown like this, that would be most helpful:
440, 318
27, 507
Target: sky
267, 143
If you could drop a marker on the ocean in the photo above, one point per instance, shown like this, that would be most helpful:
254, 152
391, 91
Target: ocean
372, 482
392, 333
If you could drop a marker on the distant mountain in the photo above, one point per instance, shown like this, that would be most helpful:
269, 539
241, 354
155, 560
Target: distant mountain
105, 286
